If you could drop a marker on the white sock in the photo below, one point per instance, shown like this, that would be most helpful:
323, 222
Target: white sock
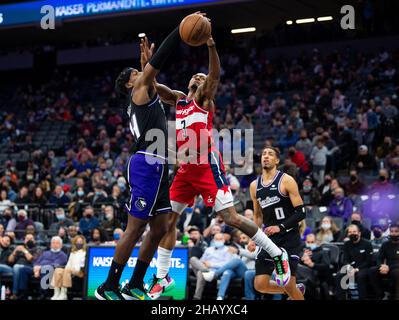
263, 241
163, 262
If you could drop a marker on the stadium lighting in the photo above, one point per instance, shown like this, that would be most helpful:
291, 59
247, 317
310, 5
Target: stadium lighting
242, 30
307, 20
327, 18
141, 35
289, 22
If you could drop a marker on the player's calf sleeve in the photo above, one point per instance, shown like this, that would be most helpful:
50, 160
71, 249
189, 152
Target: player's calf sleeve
263, 241
163, 262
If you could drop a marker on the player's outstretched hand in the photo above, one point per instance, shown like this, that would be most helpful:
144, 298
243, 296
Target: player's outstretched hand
146, 51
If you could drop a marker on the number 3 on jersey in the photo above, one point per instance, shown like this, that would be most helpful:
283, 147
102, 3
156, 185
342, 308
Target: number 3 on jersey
279, 213
183, 122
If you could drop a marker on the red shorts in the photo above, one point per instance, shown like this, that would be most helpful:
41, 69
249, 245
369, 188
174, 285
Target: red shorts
208, 180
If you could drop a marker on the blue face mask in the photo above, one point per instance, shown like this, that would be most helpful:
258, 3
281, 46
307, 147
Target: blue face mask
81, 193
61, 217
312, 246
117, 236
122, 186
218, 244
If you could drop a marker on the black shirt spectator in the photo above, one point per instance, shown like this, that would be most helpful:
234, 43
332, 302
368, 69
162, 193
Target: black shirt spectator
23, 197
58, 197
191, 217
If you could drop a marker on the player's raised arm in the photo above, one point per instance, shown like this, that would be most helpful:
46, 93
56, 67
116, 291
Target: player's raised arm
210, 86
291, 187
258, 215
166, 94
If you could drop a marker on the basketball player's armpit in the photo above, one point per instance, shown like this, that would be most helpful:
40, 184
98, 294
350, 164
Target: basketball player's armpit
168, 95
292, 221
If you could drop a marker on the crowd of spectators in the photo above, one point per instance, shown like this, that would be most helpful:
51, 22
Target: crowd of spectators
333, 116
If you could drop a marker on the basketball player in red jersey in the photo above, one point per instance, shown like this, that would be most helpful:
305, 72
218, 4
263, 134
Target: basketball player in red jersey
206, 176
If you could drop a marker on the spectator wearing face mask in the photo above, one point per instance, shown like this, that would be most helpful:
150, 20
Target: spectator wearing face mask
309, 194
364, 162
357, 259
59, 198
88, 222
98, 196
23, 223
61, 221
377, 236
355, 186
383, 185
387, 265
110, 222
211, 230
53, 258
341, 206
196, 243
327, 190
316, 259
213, 258
21, 260
328, 231
62, 277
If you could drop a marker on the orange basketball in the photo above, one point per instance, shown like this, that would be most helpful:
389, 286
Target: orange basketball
195, 29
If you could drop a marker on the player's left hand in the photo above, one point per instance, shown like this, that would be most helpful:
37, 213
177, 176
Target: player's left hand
272, 230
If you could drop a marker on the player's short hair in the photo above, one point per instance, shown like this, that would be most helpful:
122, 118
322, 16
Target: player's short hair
394, 226
276, 151
121, 80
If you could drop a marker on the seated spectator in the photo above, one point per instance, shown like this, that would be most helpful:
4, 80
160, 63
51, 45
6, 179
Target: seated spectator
317, 259
357, 259
248, 255
116, 236
88, 222
387, 266
356, 219
59, 198
5, 202
328, 231
213, 258
224, 228
310, 195
62, 277
83, 166
191, 217
365, 163
21, 260
1, 230
23, 222
327, 190
377, 236
354, 187
63, 234
299, 159
23, 197
341, 206
39, 198
249, 214
289, 139
53, 258
62, 221
5, 252
383, 185
10, 223
109, 223
99, 196
98, 237
72, 232
196, 243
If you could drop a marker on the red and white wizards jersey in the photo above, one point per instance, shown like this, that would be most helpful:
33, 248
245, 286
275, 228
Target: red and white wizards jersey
193, 126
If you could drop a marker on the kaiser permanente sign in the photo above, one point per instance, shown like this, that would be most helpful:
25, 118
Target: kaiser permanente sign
29, 12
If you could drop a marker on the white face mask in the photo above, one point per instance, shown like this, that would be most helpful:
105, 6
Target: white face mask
326, 226
55, 250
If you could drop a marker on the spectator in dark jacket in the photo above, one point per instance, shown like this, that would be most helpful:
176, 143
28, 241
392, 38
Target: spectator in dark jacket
110, 222
23, 197
358, 259
5, 252
356, 218
364, 161
88, 222
387, 265
355, 186
309, 194
58, 197
191, 217
196, 243
22, 261
23, 222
